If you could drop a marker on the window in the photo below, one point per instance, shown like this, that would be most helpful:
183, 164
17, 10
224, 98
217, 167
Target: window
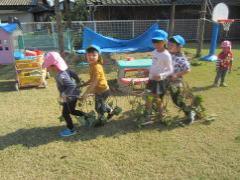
6, 48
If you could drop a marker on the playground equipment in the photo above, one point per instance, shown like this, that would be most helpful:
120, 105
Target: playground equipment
139, 66
219, 17
10, 40
29, 72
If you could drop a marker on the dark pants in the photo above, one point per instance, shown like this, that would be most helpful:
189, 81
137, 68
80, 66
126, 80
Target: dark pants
158, 87
69, 108
178, 98
221, 74
101, 106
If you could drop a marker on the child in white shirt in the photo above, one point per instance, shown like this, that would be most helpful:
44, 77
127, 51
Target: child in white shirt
161, 68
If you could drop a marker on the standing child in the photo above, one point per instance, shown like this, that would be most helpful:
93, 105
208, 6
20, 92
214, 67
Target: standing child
223, 64
98, 84
67, 82
159, 71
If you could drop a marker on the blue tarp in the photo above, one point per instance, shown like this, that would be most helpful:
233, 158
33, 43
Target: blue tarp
8, 27
142, 43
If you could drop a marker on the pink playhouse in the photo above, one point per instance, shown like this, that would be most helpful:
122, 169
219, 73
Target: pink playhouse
9, 35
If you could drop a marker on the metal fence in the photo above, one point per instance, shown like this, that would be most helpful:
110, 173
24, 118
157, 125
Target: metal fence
43, 34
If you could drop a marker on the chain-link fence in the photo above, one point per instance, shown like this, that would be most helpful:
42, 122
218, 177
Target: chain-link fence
44, 34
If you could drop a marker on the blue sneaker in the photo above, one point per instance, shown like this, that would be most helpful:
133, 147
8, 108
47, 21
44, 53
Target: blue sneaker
67, 132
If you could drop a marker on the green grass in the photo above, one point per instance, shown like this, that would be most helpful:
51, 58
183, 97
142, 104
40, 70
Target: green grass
30, 147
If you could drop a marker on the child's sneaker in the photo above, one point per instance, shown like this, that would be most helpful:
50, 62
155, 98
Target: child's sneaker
223, 85
67, 132
191, 117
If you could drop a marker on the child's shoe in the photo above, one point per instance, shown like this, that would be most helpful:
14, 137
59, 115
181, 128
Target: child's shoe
191, 117
67, 132
223, 85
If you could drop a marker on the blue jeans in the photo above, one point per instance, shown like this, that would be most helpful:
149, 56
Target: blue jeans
221, 74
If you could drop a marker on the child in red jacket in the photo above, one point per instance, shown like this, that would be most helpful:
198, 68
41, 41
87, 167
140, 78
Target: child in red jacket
224, 63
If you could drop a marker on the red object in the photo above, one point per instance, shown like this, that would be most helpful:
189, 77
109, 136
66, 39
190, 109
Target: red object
130, 58
30, 53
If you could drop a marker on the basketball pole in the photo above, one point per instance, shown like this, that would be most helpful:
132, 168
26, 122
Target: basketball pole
211, 55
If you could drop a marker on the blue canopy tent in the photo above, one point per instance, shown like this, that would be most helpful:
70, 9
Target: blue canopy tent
142, 43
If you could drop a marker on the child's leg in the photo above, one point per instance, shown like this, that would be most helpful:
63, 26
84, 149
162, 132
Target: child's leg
218, 76
67, 117
223, 75
72, 108
178, 100
160, 105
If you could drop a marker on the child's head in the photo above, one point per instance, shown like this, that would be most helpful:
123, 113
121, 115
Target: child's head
175, 44
54, 62
93, 54
159, 39
226, 46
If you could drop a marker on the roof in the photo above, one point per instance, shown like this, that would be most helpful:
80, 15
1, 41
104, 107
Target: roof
153, 2
18, 2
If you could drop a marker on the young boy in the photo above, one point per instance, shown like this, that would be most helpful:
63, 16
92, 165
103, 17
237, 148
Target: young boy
159, 71
98, 84
181, 68
223, 64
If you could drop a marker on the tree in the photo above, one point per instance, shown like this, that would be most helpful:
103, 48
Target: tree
79, 11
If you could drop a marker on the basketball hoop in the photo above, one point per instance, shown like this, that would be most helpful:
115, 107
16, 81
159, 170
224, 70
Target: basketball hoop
226, 23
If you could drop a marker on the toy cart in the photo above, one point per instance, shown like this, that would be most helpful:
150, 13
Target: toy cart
29, 73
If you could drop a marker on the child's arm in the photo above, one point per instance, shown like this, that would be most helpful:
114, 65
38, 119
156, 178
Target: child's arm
74, 76
90, 88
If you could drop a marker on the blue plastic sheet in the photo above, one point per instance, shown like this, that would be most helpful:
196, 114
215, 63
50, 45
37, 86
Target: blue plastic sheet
142, 43
8, 27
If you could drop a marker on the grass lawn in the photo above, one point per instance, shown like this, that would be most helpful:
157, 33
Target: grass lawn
30, 147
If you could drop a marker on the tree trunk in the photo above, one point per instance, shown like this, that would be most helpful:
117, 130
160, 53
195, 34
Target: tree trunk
67, 13
172, 18
59, 27
201, 28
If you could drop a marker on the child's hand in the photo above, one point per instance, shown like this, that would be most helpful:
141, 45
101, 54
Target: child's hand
174, 77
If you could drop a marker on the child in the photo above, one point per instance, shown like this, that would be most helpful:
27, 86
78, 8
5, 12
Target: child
159, 71
67, 82
224, 63
181, 67
98, 84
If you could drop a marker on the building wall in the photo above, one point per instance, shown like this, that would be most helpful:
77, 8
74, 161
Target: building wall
154, 12
23, 16
145, 12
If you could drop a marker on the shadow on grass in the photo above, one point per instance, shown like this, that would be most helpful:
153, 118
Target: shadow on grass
43, 135
204, 88
7, 86
7, 72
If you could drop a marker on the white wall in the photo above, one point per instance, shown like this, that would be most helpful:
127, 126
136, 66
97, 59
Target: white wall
21, 15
